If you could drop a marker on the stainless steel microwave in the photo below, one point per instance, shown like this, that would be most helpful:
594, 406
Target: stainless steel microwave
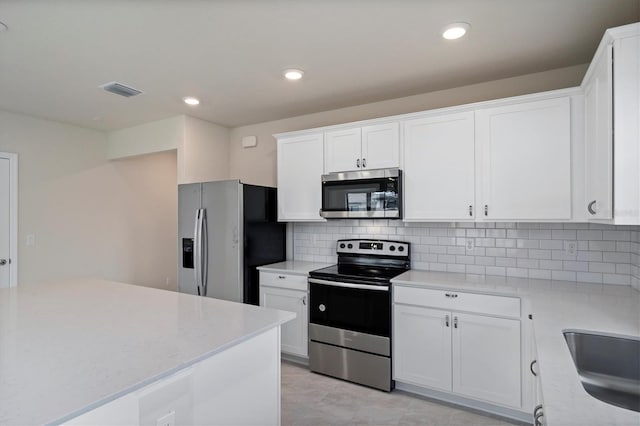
363, 194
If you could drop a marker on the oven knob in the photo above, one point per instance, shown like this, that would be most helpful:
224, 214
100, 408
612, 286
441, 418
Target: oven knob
350, 246
401, 248
322, 308
392, 248
342, 245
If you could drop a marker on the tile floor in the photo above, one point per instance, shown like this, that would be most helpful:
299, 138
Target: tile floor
315, 400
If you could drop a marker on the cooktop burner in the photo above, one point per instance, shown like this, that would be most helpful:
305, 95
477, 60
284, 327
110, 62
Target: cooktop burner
356, 272
367, 261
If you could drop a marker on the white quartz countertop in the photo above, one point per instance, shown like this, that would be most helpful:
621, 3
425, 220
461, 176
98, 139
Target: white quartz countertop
295, 267
68, 347
558, 306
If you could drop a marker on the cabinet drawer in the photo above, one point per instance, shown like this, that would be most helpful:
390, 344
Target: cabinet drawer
275, 279
458, 301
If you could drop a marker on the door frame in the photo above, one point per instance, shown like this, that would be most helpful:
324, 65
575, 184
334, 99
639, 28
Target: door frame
13, 216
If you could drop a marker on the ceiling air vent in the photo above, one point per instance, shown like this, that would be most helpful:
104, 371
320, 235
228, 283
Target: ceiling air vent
121, 89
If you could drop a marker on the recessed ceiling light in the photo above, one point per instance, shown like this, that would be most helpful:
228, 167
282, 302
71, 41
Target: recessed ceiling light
191, 101
293, 74
3, 27
455, 30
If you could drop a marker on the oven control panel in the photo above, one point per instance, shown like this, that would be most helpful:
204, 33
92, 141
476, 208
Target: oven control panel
377, 247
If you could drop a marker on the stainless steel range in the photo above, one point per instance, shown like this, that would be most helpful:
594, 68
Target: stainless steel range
350, 312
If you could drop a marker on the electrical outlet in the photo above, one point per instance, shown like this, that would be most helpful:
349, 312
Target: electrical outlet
31, 240
470, 244
570, 248
168, 419
167, 281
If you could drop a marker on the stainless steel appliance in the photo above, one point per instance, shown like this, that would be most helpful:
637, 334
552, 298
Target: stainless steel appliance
225, 230
370, 193
350, 312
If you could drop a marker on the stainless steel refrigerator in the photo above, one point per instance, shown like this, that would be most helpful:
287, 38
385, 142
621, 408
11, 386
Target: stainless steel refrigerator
225, 230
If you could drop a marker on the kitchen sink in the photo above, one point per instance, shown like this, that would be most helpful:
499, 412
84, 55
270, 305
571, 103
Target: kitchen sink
608, 366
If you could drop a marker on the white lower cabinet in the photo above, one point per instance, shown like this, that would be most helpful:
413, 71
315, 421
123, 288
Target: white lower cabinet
475, 356
422, 346
288, 293
486, 358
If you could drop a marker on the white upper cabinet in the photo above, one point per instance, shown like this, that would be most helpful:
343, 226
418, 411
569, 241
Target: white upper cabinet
524, 161
439, 167
343, 150
612, 129
300, 164
598, 138
381, 146
371, 147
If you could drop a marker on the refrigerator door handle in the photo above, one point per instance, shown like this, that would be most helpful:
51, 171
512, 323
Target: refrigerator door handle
204, 255
197, 249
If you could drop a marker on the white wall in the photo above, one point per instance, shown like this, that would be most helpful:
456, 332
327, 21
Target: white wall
258, 165
203, 154
202, 147
156, 136
90, 216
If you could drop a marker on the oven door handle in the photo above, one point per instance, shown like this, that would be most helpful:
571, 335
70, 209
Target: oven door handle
348, 285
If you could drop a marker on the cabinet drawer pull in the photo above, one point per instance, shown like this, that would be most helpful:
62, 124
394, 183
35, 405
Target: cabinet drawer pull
282, 277
451, 295
446, 320
531, 367
590, 207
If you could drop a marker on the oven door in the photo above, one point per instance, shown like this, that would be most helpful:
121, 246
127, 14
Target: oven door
373, 193
359, 308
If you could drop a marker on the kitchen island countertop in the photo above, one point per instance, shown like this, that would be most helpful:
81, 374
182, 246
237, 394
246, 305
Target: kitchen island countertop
70, 346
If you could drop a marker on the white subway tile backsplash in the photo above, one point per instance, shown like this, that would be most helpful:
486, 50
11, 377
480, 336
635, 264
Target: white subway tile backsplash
551, 244
602, 245
563, 275
590, 235
506, 261
616, 279
563, 234
605, 254
496, 270
602, 267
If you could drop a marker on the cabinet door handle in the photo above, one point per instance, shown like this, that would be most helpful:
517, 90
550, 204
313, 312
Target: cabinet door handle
282, 277
537, 421
531, 367
304, 300
446, 320
535, 410
358, 163
590, 207
364, 163
470, 210
486, 210
455, 322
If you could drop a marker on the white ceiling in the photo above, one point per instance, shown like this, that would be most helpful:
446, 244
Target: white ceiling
230, 54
